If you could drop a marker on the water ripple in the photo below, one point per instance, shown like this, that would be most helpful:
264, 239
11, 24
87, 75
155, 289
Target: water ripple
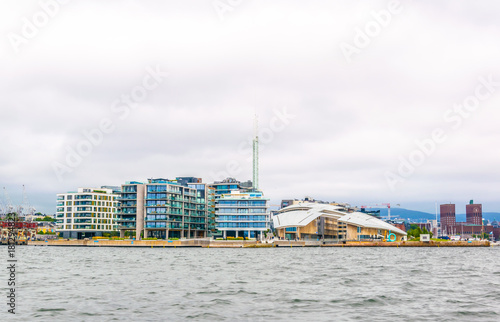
278, 284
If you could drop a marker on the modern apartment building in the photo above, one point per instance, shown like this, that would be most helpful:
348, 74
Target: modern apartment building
163, 208
240, 211
206, 194
230, 184
131, 208
87, 212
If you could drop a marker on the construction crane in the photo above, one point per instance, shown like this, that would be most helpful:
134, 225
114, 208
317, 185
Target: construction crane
388, 205
27, 211
3, 208
8, 207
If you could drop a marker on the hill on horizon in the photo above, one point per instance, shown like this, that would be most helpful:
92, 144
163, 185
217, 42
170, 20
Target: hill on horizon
418, 216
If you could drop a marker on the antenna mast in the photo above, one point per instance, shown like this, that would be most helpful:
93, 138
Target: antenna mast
256, 155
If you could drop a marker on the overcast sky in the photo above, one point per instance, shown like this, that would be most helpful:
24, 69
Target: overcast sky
343, 90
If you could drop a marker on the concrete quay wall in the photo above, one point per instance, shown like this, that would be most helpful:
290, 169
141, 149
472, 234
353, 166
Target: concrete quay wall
207, 243
414, 244
123, 243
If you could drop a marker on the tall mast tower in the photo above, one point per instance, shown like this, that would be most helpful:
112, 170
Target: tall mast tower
256, 156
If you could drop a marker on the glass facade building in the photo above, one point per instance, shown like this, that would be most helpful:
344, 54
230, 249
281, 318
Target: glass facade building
163, 208
240, 211
131, 208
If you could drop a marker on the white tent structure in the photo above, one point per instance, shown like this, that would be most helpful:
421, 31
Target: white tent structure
301, 215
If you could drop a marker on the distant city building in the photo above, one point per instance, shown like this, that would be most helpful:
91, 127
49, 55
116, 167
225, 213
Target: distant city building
290, 202
374, 213
474, 213
473, 225
286, 203
46, 227
86, 213
400, 225
447, 217
115, 189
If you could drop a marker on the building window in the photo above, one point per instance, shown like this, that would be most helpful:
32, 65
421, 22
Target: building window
359, 230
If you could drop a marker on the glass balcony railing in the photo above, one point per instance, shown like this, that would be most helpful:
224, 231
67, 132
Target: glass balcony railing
126, 198
125, 220
240, 220
127, 212
126, 226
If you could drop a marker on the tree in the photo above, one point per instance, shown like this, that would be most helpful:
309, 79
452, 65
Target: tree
414, 231
425, 231
46, 218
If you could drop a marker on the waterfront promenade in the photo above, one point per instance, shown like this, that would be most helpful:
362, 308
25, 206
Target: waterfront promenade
208, 243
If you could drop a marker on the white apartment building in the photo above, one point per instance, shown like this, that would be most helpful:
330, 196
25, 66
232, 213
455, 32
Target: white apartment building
86, 213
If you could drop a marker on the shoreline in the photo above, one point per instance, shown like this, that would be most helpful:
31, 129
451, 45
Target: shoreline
205, 243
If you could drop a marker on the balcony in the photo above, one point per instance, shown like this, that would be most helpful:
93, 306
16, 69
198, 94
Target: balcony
198, 227
240, 206
86, 197
88, 215
123, 212
199, 214
129, 190
194, 221
177, 226
83, 221
157, 198
125, 220
126, 198
129, 226
241, 220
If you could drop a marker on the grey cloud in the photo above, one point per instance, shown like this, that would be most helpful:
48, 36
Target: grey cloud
353, 121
